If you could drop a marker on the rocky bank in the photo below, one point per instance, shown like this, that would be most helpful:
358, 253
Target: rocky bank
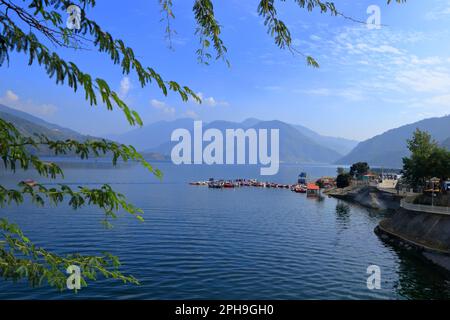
367, 196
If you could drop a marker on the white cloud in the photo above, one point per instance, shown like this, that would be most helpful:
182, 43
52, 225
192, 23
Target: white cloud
192, 114
439, 100
10, 96
383, 65
350, 94
210, 101
125, 86
46, 109
386, 49
364, 47
160, 105
424, 80
157, 104
317, 92
426, 61
440, 11
12, 100
434, 106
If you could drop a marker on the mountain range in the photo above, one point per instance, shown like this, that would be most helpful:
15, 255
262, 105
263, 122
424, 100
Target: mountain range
29, 125
389, 148
154, 139
297, 143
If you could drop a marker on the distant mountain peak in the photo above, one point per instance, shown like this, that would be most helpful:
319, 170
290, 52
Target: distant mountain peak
250, 122
388, 149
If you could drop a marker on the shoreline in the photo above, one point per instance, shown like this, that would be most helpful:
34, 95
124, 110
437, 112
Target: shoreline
437, 256
426, 233
367, 196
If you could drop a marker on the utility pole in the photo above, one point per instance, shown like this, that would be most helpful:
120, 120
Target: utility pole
432, 193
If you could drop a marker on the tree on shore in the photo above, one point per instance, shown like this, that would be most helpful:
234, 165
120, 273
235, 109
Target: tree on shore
359, 169
32, 27
440, 162
340, 170
343, 180
427, 160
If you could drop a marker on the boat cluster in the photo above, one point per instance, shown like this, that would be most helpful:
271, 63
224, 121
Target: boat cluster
219, 184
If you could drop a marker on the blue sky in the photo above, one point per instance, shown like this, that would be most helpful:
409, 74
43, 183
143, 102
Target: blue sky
369, 80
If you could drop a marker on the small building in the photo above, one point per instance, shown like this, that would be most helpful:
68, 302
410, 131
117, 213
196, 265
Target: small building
369, 177
327, 182
302, 179
312, 190
433, 185
389, 180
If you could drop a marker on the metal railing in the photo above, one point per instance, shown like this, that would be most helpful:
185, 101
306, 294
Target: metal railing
424, 208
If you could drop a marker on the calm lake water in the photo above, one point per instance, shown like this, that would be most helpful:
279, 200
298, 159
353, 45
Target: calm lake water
200, 243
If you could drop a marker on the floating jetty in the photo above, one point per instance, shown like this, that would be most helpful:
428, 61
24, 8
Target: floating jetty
198, 183
237, 183
303, 185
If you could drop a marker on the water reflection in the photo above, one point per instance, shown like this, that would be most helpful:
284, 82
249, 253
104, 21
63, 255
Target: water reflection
416, 277
419, 278
343, 214
320, 198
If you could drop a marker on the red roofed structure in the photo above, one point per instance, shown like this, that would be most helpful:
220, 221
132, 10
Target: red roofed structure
312, 190
312, 186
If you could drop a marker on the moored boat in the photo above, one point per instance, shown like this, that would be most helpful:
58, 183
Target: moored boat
198, 183
215, 185
228, 184
299, 188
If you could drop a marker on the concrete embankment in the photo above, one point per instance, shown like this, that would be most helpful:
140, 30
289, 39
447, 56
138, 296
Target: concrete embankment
425, 232
427, 229
368, 196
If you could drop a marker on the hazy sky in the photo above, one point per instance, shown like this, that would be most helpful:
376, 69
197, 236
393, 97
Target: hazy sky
369, 81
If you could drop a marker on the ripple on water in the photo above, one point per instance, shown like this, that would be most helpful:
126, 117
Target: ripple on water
248, 243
